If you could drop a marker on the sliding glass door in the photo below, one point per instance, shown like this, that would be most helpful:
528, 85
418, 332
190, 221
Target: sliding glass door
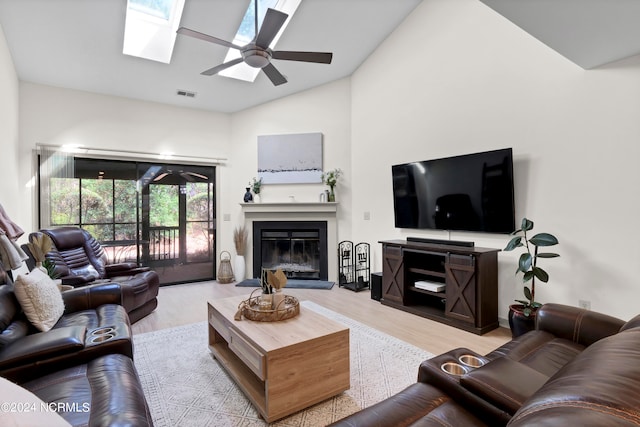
161, 215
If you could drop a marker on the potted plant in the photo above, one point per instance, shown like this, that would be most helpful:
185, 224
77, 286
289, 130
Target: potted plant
522, 315
330, 178
256, 185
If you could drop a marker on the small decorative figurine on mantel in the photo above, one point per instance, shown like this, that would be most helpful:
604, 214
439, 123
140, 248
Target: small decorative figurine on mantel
248, 197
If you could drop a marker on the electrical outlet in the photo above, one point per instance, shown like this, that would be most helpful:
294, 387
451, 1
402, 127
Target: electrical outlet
226, 217
367, 216
584, 304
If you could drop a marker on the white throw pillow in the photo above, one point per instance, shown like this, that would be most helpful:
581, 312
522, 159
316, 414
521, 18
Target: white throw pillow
40, 299
21, 408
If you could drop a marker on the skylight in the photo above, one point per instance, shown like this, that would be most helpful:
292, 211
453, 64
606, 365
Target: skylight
150, 28
246, 33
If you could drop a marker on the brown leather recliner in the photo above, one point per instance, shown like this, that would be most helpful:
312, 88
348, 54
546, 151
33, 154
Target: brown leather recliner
75, 338
84, 362
578, 367
80, 260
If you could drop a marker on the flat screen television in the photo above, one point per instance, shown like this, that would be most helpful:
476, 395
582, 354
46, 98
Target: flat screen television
472, 192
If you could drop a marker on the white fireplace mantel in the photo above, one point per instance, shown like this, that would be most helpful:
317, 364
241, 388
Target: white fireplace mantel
295, 211
290, 207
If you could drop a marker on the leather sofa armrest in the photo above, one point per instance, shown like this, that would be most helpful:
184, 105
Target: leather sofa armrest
505, 383
43, 345
76, 280
124, 269
91, 297
576, 324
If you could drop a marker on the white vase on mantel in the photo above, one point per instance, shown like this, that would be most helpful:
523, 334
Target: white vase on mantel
257, 198
239, 268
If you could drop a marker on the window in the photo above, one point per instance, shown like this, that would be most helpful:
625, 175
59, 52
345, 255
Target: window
150, 28
162, 215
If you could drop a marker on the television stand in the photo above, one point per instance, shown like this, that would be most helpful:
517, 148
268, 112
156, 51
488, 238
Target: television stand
441, 241
469, 300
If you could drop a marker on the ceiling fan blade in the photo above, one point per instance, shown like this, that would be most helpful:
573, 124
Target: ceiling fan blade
319, 57
273, 21
218, 68
162, 175
197, 175
206, 37
274, 75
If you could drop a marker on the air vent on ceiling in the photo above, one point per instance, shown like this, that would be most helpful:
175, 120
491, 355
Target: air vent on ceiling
186, 93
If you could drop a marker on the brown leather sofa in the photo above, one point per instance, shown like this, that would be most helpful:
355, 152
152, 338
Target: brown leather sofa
80, 260
84, 362
577, 368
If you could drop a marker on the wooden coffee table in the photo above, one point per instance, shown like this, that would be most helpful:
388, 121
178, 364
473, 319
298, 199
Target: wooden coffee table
282, 367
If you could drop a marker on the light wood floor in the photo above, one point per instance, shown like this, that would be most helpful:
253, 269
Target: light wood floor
187, 303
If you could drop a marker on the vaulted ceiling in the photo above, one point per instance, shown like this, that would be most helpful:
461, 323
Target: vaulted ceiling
77, 44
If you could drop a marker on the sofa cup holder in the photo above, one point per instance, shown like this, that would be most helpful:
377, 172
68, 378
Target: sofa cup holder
102, 338
105, 330
453, 368
471, 361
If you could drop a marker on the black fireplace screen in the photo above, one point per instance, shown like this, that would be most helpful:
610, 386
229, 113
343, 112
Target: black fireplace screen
297, 248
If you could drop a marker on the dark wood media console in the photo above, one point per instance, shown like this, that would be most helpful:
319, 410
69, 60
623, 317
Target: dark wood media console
470, 275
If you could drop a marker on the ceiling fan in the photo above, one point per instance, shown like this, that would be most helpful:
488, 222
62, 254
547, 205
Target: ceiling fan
257, 53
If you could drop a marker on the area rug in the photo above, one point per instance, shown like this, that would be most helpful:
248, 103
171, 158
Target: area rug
185, 386
292, 283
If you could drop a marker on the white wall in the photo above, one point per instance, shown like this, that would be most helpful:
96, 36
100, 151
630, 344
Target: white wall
9, 190
55, 116
476, 82
325, 109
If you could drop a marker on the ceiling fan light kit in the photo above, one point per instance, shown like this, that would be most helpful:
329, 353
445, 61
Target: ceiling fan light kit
257, 54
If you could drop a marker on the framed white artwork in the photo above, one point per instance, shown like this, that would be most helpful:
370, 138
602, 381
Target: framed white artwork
290, 159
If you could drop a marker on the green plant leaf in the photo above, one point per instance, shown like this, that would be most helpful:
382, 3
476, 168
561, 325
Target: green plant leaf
527, 293
540, 274
543, 239
523, 302
516, 242
536, 304
526, 224
547, 255
527, 311
527, 276
525, 261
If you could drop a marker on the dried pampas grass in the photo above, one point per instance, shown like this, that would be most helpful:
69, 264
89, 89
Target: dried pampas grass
240, 239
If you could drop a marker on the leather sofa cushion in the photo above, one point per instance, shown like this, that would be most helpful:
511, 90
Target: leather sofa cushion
633, 323
42, 346
103, 392
539, 350
505, 383
40, 299
601, 386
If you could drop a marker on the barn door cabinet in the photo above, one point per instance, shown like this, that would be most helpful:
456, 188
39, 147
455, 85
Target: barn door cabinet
469, 298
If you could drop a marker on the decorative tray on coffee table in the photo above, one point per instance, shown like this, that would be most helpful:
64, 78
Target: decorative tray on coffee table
251, 309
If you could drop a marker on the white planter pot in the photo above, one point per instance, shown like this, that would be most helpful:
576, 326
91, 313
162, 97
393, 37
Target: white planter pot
239, 268
257, 198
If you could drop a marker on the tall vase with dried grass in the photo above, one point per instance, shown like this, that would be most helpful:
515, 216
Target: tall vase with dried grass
240, 242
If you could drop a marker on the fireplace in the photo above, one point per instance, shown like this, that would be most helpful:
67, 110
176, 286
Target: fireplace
298, 248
